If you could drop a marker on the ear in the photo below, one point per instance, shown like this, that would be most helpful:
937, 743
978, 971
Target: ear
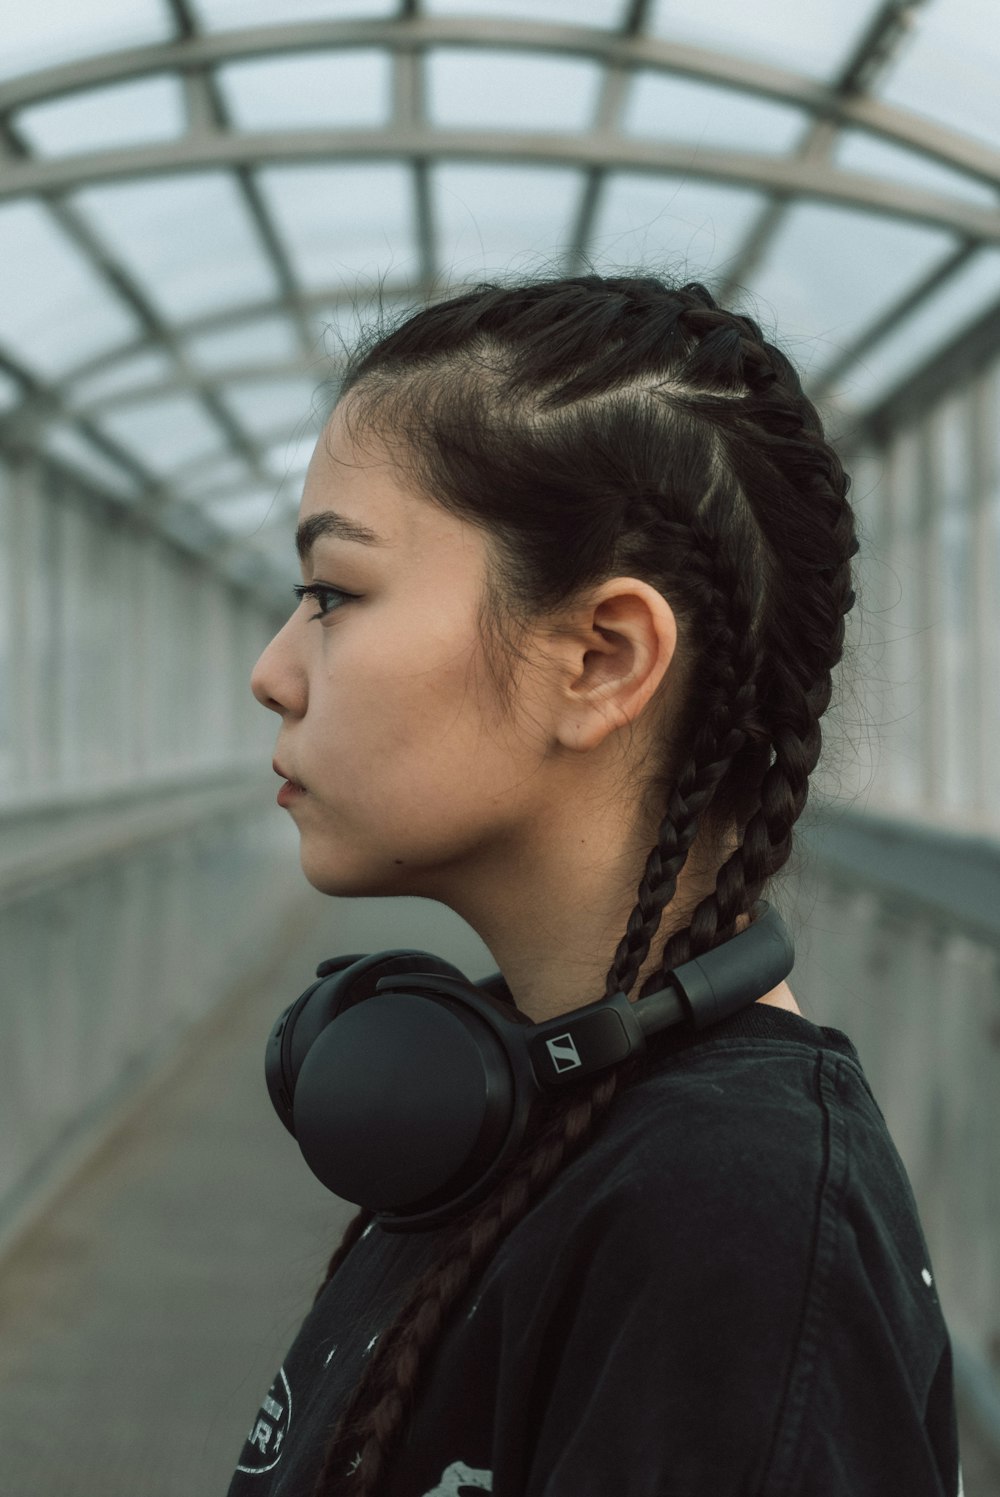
615, 652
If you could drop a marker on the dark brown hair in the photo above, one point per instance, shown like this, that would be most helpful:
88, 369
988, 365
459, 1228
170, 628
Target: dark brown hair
596, 427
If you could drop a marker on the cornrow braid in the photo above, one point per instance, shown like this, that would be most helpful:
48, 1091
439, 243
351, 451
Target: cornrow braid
795, 444
730, 648
629, 428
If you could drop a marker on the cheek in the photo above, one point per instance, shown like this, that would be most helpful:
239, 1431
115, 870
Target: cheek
422, 738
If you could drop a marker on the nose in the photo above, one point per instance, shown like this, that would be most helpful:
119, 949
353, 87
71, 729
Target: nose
274, 680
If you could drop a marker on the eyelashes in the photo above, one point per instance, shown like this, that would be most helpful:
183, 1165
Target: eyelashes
322, 592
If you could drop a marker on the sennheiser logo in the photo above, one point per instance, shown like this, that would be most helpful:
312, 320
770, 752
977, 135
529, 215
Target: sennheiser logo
563, 1052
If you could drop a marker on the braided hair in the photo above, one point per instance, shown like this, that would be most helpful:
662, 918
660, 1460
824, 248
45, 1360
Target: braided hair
596, 427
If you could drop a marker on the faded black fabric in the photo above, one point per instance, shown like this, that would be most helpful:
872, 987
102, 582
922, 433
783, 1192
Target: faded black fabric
726, 1294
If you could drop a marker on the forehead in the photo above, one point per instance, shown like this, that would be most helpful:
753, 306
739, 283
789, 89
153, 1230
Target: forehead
376, 508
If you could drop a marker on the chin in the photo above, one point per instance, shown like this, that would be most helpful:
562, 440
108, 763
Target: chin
362, 880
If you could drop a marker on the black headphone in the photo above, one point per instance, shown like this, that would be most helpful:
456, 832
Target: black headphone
408, 1087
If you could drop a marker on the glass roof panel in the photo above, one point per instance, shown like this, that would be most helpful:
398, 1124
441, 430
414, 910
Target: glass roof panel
948, 71
55, 309
239, 514
943, 316
37, 36
347, 88
222, 472
356, 219
163, 434
290, 458
606, 13
129, 114
670, 108
490, 216
158, 231
811, 36
688, 228
337, 329
857, 150
223, 15
151, 367
259, 340
188, 524
67, 443
267, 406
503, 90
820, 303
11, 391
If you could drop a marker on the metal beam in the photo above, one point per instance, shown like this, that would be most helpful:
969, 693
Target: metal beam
614, 49
234, 317
782, 176
870, 57
614, 88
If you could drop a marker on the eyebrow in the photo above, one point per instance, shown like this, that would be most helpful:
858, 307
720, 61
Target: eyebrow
328, 522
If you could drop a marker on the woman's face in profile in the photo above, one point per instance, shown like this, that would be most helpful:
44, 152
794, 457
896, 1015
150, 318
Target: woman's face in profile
389, 716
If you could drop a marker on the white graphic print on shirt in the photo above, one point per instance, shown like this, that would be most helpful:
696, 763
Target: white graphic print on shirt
459, 1480
270, 1428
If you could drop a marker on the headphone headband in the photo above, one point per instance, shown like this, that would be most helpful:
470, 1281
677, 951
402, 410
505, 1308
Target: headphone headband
409, 1088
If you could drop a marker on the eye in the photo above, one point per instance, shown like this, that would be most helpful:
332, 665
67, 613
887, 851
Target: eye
322, 593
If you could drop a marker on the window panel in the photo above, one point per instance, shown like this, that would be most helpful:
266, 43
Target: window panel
158, 231
11, 391
955, 704
957, 305
129, 114
151, 367
69, 445
220, 472
332, 89
8, 681
819, 302
222, 15
265, 406
292, 456
337, 329
493, 216
811, 36
857, 150
989, 590
242, 514
502, 90
904, 735
568, 12
261, 340
948, 70
37, 36
680, 109
339, 222
164, 434
691, 229
55, 309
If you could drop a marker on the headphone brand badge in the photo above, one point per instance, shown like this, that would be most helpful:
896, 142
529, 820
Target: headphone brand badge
563, 1051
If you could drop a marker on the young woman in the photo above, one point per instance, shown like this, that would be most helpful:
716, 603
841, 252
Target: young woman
560, 662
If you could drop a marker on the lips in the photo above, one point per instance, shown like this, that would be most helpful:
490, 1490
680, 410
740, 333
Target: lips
285, 776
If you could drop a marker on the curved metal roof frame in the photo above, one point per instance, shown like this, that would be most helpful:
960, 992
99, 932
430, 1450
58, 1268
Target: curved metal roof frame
210, 142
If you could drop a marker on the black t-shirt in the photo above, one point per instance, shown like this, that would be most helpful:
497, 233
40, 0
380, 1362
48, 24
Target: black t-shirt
726, 1294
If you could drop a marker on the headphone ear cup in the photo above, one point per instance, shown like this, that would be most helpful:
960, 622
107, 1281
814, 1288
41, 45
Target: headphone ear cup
343, 982
403, 1102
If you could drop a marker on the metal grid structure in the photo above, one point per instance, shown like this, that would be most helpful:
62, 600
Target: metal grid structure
218, 199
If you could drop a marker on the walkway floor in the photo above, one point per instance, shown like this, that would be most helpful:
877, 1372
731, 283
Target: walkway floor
144, 1315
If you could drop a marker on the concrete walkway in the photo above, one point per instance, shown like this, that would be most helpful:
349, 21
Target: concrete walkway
144, 1316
